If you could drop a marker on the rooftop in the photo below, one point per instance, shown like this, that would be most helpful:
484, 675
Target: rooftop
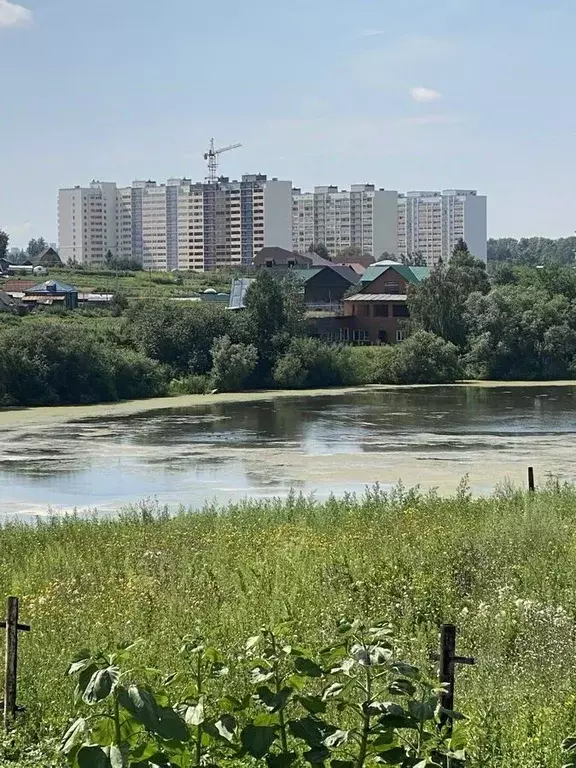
413, 275
378, 297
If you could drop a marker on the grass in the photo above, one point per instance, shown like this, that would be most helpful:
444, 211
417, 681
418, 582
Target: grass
503, 569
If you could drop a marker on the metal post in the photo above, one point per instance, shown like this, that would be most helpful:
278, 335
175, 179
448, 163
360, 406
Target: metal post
531, 484
11, 668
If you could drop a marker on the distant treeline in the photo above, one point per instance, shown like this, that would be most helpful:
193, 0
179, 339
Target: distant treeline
532, 251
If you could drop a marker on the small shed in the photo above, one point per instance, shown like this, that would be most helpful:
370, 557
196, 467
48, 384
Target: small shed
51, 293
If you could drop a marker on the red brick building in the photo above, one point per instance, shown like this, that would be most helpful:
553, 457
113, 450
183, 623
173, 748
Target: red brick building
377, 312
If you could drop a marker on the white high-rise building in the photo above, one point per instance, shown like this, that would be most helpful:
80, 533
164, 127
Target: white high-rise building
87, 222
177, 225
364, 217
431, 223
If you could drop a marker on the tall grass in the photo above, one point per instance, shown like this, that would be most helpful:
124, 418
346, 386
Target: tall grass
503, 569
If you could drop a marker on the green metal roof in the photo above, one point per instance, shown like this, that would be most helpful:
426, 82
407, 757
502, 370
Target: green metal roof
305, 274
413, 275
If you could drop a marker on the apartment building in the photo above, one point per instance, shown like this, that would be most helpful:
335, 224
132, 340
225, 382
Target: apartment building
229, 222
431, 223
87, 222
364, 217
177, 225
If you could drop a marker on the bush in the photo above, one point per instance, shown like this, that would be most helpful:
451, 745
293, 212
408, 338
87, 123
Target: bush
369, 365
189, 385
52, 363
425, 359
232, 364
310, 363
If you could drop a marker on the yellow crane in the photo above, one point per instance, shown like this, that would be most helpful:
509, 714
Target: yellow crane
212, 157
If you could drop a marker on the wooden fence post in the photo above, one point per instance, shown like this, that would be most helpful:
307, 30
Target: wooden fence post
448, 659
531, 484
11, 662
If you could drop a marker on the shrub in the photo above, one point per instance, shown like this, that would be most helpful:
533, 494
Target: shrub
425, 359
369, 365
189, 385
311, 363
232, 364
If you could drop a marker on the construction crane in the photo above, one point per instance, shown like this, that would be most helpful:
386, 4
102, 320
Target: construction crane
212, 158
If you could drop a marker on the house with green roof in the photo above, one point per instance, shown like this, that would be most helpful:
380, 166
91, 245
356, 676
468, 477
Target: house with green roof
378, 312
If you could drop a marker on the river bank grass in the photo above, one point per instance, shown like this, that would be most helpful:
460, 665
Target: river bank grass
41, 414
501, 568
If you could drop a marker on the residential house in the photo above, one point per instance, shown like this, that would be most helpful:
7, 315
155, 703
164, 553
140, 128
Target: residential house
325, 283
377, 314
52, 293
48, 258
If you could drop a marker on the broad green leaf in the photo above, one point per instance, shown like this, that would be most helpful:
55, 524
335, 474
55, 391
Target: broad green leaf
212, 655
313, 704
266, 718
80, 661
370, 655
274, 702
459, 737
141, 704
312, 730
261, 675
342, 764
422, 710
226, 726
252, 642
118, 757
74, 736
298, 682
103, 732
407, 670
257, 739
307, 667
101, 685
336, 739
394, 756
93, 757
236, 705
281, 760
316, 755
193, 714
171, 727
345, 667
402, 687
84, 678
332, 691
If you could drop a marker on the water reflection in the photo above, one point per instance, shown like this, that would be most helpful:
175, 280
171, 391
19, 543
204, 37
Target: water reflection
339, 443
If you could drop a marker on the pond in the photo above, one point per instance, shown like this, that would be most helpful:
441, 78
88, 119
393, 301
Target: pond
262, 448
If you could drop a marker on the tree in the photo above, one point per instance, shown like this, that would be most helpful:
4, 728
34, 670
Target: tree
532, 251
233, 364
351, 253
415, 259
438, 304
36, 248
4, 238
275, 313
521, 333
309, 363
319, 249
425, 359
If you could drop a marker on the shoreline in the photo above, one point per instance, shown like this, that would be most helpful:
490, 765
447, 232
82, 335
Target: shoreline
65, 413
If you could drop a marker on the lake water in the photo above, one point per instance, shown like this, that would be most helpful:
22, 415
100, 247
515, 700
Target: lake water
323, 444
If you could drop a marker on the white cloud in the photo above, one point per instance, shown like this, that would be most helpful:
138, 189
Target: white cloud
14, 15
425, 95
370, 33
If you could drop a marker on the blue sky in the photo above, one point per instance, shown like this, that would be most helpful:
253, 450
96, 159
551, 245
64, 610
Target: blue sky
423, 94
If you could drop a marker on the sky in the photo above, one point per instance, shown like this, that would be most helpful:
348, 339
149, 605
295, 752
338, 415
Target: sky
468, 94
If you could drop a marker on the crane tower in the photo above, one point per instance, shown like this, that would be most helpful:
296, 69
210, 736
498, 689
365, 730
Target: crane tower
212, 157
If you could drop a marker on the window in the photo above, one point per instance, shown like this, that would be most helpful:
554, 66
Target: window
400, 310
364, 310
382, 337
391, 287
400, 335
381, 310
